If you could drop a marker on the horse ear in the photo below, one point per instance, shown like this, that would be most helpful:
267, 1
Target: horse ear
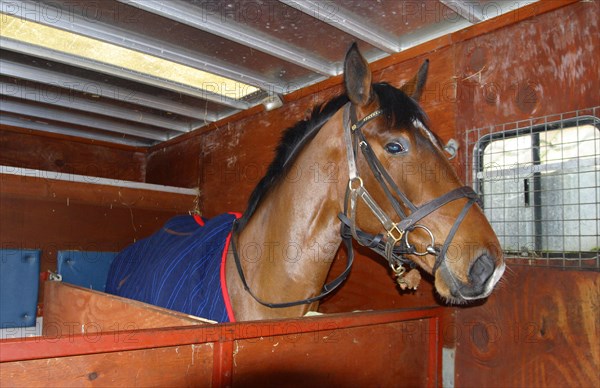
357, 77
414, 87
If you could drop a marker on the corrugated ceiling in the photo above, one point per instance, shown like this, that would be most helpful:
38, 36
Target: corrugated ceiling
268, 48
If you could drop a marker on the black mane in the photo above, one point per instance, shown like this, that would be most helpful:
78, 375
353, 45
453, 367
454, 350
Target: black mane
399, 111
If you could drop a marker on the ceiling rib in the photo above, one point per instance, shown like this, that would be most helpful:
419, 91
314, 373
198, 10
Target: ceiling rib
70, 100
347, 22
191, 16
138, 42
46, 113
73, 60
84, 85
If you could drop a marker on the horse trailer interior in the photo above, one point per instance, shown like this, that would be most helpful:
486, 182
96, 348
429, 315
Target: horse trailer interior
408, 193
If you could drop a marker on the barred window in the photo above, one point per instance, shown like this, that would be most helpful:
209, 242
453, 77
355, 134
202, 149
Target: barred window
540, 186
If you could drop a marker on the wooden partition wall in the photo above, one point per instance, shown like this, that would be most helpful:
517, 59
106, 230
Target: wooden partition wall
158, 347
55, 211
541, 325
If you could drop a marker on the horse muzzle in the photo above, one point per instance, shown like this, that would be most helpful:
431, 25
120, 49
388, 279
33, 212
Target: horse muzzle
482, 277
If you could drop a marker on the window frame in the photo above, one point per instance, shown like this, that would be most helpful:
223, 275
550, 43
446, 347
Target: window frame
478, 180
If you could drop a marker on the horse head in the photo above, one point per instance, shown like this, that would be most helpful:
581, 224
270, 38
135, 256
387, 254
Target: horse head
404, 199
401, 198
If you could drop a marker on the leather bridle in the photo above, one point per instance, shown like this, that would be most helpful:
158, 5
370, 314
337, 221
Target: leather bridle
393, 245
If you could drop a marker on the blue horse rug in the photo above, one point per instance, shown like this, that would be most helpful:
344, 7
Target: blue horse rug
181, 267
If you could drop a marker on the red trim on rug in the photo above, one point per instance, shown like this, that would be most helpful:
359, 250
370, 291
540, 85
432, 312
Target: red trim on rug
198, 219
223, 278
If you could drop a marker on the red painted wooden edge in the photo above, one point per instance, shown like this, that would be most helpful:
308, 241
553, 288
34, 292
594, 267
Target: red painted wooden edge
222, 374
70, 344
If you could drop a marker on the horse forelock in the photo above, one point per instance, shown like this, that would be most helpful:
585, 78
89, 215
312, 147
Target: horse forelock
400, 110
403, 112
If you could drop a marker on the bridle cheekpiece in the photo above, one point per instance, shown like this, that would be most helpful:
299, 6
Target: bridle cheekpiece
394, 244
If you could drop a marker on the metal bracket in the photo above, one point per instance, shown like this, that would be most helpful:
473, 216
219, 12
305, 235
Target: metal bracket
451, 148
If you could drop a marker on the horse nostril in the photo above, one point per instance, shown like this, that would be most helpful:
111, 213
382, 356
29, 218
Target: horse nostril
481, 270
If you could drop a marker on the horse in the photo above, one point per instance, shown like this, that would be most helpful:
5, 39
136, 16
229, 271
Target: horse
272, 261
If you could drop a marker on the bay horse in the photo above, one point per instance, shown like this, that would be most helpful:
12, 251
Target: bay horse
399, 196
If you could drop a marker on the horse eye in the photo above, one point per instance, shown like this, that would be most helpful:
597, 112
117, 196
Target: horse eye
394, 148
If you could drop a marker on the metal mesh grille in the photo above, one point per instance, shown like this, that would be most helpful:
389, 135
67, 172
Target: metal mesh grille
539, 180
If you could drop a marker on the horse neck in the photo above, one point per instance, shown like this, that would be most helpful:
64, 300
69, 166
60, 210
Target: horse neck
291, 240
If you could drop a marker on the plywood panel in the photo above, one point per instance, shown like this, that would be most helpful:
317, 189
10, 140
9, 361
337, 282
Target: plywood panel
439, 95
395, 354
36, 150
178, 366
52, 226
54, 215
539, 329
537, 67
176, 164
114, 194
75, 310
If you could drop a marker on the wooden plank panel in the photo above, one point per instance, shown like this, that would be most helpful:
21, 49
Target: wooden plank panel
75, 310
45, 151
41, 188
78, 344
54, 215
52, 226
178, 366
177, 164
537, 67
394, 354
548, 335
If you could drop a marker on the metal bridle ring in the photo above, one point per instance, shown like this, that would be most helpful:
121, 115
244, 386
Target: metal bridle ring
430, 248
356, 180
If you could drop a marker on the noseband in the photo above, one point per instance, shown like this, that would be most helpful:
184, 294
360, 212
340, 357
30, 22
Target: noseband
393, 245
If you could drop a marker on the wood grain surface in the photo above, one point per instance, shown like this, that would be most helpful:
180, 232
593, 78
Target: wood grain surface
53, 215
540, 329
67, 154
178, 366
72, 310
